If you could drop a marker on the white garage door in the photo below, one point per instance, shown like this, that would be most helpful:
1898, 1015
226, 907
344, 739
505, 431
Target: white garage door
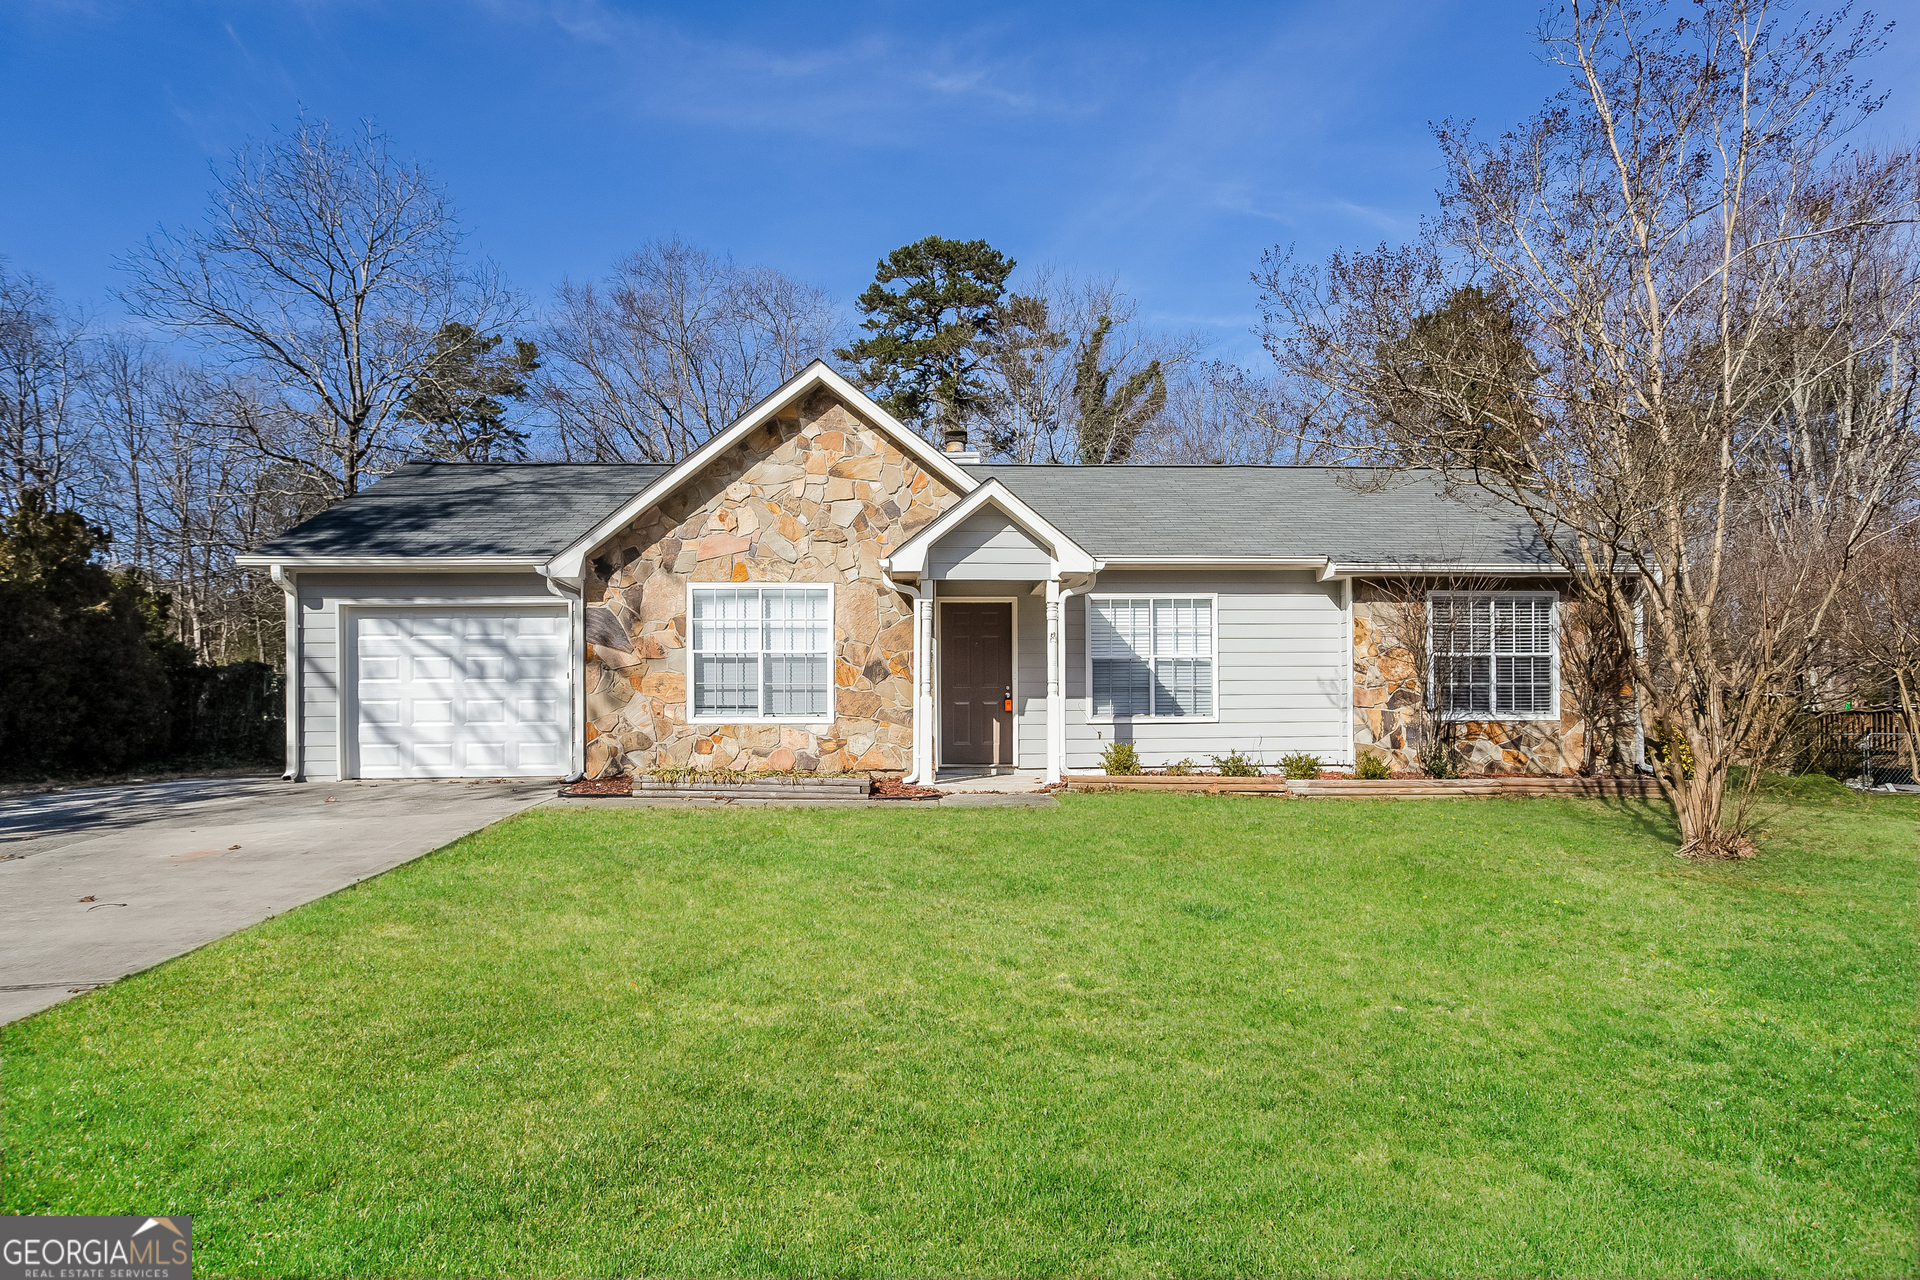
461, 693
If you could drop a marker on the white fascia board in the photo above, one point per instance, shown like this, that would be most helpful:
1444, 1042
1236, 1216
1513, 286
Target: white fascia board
1441, 569
421, 564
910, 557
570, 564
1216, 562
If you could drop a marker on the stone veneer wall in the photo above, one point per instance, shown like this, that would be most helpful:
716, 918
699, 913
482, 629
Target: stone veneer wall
1388, 694
815, 497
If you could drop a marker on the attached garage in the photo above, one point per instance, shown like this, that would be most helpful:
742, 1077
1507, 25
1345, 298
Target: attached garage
459, 692
425, 639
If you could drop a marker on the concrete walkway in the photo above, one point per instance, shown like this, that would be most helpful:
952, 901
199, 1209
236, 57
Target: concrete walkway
98, 884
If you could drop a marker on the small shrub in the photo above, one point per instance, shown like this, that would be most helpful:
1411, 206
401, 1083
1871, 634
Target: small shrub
1437, 759
1301, 764
1179, 770
1373, 765
1120, 760
1667, 743
1236, 764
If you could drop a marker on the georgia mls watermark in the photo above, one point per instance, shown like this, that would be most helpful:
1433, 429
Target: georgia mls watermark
131, 1248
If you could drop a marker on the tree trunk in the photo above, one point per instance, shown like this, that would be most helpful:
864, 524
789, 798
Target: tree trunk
1913, 725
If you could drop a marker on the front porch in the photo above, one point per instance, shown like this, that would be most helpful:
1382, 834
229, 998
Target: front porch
988, 581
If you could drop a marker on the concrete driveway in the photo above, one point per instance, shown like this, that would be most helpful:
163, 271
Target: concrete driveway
98, 884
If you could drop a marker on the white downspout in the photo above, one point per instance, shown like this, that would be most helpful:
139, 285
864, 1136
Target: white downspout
576, 671
285, 580
917, 761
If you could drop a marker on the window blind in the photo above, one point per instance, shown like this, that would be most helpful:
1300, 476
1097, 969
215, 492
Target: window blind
1493, 655
1152, 655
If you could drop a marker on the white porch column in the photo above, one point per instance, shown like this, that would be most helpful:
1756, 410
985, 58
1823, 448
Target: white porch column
1056, 705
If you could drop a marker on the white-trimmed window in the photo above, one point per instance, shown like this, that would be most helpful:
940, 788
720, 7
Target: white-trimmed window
762, 653
1496, 655
1152, 656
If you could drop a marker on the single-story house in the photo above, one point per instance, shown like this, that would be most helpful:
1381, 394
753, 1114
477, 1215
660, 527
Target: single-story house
818, 588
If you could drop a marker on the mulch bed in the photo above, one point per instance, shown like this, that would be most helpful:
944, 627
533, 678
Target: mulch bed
894, 789
619, 786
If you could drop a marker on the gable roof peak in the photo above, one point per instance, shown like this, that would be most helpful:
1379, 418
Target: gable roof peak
570, 564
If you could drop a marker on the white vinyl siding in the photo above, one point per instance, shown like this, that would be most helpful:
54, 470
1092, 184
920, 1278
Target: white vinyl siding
1281, 681
1152, 656
762, 653
1496, 655
986, 547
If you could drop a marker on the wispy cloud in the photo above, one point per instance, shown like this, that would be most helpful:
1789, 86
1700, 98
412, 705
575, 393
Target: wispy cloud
871, 87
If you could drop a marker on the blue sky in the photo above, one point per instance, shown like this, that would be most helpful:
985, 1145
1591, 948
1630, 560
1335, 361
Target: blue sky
1168, 145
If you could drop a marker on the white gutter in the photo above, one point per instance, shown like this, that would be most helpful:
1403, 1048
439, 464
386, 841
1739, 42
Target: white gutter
1334, 571
291, 684
427, 564
1213, 562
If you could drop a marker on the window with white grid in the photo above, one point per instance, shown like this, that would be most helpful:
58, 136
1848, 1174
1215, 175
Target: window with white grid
1151, 655
1495, 655
762, 653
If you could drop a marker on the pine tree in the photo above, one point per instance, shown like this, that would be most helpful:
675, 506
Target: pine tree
924, 348
457, 395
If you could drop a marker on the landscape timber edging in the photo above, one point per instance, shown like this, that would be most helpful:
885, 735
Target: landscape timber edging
749, 788
1637, 788
758, 789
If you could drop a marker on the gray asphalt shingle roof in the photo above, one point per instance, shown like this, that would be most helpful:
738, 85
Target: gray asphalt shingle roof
537, 509
469, 509
1138, 512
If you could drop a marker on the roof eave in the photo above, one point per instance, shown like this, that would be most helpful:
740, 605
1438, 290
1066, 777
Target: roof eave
424, 564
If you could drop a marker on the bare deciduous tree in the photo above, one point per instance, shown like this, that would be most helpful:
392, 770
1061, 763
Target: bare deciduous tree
673, 346
1223, 415
43, 372
324, 269
1875, 642
184, 492
1056, 365
1671, 319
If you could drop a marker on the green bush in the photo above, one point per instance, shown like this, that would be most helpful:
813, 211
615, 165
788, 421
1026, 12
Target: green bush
1120, 760
1301, 765
1180, 769
1372, 765
1667, 743
86, 690
233, 713
1438, 760
95, 682
1236, 764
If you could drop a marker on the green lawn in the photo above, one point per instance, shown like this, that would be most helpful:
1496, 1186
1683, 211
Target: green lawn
1130, 1035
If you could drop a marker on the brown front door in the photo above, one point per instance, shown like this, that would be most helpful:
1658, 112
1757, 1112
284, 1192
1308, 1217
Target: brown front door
976, 683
